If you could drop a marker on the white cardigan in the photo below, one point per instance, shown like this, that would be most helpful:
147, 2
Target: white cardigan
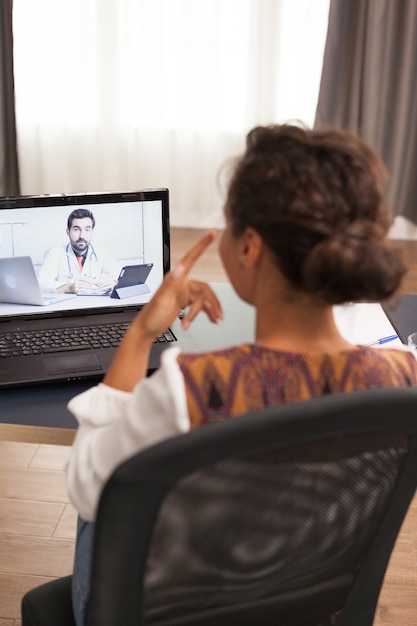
114, 425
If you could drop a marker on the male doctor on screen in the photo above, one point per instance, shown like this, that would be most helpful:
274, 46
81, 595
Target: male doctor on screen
79, 267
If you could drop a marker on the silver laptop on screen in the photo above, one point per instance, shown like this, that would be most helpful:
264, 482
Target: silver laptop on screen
113, 242
19, 284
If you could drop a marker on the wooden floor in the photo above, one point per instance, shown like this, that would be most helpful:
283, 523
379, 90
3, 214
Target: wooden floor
37, 522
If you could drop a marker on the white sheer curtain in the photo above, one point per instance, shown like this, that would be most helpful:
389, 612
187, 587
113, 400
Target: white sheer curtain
126, 94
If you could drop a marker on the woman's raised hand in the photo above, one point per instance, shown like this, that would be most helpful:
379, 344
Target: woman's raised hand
178, 292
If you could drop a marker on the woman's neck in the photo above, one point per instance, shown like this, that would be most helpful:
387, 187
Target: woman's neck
286, 318
297, 322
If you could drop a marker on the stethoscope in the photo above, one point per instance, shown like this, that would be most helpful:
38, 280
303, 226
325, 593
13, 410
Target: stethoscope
92, 254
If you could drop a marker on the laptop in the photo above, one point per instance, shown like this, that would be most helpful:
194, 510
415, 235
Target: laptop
402, 313
19, 284
130, 241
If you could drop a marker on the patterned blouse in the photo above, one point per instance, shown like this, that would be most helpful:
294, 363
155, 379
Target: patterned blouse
250, 377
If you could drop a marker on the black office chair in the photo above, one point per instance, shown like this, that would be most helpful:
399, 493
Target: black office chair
285, 516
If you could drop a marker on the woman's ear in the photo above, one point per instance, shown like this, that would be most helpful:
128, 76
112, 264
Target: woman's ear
250, 248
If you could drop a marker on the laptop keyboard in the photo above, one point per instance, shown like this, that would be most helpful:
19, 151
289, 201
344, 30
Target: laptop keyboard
67, 339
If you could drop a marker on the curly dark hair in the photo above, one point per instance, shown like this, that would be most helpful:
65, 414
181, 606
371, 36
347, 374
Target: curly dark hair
78, 214
316, 197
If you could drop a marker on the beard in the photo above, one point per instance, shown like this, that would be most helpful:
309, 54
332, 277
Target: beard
80, 246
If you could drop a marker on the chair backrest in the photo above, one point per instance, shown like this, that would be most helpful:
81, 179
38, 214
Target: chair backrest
283, 516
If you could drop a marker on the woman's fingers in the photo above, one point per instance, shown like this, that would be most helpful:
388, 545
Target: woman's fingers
178, 292
188, 260
202, 298
211, 304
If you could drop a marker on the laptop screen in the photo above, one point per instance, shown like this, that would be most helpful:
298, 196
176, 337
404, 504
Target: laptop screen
109, 250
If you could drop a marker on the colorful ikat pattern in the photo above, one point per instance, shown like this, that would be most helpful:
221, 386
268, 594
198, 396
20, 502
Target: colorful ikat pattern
248, 377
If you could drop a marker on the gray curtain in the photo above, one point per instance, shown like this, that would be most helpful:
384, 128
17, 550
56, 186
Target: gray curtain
369, 85
9, 175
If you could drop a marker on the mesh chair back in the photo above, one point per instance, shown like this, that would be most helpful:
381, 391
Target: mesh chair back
275, 517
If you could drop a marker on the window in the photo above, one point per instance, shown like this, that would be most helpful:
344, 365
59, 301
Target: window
144, 93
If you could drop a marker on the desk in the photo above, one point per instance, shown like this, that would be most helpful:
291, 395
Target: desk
46, 405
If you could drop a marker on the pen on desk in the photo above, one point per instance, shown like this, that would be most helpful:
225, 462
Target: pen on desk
382, 340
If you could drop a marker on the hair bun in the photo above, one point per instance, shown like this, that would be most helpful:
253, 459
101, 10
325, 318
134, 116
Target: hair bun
354, 264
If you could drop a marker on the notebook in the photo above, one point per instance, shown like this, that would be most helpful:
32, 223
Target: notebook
402, 313
47, 342
19, 284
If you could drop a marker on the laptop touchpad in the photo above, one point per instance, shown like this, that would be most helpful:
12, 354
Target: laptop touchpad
72, 364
